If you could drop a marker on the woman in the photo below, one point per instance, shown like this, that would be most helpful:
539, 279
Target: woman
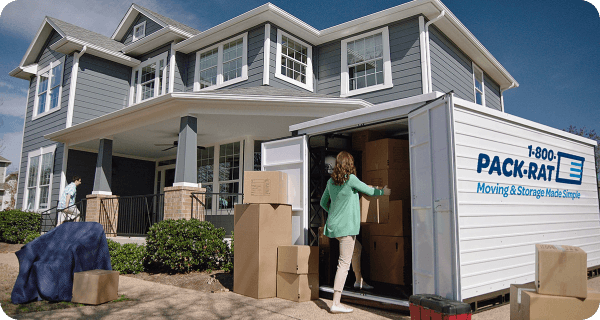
343, 222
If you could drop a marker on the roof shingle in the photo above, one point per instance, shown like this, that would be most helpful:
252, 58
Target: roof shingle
88, 36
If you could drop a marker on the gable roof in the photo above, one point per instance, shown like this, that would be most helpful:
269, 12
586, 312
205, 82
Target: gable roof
2, 159
135, 9
71, 30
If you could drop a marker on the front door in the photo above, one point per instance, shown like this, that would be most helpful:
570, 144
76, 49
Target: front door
165, 177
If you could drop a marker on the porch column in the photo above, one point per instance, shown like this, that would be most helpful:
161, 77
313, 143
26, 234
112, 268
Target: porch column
186, 172
102, 178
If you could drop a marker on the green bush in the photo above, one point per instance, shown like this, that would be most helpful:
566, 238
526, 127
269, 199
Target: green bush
228, 266
126, 258
31, 235
186, 245
16, 225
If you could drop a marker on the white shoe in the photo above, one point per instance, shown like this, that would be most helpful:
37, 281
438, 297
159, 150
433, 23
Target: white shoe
363, 286
339, 309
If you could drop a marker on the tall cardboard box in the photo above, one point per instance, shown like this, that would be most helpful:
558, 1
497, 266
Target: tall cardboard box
526, 304
360, 139
398, 180
387, 257
298, 287
266, 187
259, 229
95, 286
374, 209
395, 224
298, 259
561, 270
387, 154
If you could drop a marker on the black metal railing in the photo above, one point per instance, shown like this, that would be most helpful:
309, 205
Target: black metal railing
50, 216
217, 208
131, 215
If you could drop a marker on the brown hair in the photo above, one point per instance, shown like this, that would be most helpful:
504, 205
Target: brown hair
344, 166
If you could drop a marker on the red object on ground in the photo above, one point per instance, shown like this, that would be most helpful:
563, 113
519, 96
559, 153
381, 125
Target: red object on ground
432, 307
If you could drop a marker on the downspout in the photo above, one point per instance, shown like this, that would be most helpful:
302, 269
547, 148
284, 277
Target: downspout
428, 52
512, 85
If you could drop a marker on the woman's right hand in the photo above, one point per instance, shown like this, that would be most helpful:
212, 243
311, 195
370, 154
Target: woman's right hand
386, 191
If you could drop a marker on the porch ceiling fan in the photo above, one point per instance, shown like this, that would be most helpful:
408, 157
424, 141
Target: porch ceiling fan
173, 145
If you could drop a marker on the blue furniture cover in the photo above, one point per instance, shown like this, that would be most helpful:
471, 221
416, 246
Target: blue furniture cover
47, 264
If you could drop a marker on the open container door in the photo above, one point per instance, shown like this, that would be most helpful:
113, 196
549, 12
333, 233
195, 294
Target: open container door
433, 201
290, 155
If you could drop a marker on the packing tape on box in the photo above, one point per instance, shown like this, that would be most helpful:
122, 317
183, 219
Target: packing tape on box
519, 293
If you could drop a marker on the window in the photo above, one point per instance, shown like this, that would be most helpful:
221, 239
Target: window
222, 65
49, 89
366, 65
478, 85
149, 79
139, 31
39, 178
294, 61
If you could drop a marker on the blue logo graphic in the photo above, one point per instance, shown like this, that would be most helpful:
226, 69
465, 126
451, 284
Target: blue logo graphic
569, 168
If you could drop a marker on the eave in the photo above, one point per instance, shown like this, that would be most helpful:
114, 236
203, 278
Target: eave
155, 40
67, 45
24, 73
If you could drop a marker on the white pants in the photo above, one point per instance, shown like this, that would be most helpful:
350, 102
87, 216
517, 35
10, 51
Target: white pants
68, 214
350, 249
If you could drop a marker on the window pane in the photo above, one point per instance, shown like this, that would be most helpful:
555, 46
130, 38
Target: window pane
229, 162
293, 59
360, 83
208, 68
42, 103
33, 171
148, 72
371, 80
31, 198
147, 90
43, 83
228, 201
205, 165
478, 98
46, 169
56, 76
365, 62
232, 60
54, 97
43, 197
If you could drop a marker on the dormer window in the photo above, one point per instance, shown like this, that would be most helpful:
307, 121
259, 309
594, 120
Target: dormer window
49, 89
148, 79
294, 61
139, 31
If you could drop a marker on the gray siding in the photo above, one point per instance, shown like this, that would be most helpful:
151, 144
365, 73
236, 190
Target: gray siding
181, 77
34, 130
492, 93
151, 27
405, 56
451, 69
276, 82
256, 38
102, 87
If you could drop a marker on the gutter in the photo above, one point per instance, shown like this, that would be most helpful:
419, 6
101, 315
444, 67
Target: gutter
73, 85
512, 85
428, 50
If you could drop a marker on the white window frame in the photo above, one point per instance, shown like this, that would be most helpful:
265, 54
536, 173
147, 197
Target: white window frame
48, 70
39, 152
387, 64
220, 82
139, 25
476, 69
309, 71
158, 90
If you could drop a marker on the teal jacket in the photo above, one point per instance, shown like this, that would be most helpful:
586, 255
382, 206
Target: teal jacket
344, 210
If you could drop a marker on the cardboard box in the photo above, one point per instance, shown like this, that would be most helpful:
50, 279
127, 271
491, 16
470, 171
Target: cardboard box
298, 259
266, 187
387, 154
395, 224
374, 209
398, 180
95, 286
526, 304
360, 139
259, 229
561, 270
298, 287
387, 259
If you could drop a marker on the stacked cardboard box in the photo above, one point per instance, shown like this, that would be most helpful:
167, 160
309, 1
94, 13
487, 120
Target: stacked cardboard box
298, 273
560, 289
262, 224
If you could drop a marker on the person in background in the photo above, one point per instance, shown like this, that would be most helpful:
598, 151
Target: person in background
343, 222
67, 211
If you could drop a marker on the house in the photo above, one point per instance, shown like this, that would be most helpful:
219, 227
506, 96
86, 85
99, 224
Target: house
162, 108
4, 163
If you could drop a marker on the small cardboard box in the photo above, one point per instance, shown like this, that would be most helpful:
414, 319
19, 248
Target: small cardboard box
374, 209
398, 180
561, 270
526, 304
298, 259
95, 286
360, 139
387, 257
298, 287
395, 225
259, 229
266, 187
387, 154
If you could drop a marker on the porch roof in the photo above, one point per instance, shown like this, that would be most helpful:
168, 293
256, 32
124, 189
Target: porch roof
262, 112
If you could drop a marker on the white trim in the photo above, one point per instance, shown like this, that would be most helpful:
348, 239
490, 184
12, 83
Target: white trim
476, 69
69, 44
155, 39
424, 47
220, 82
158, 90
171, 69
133, 37
19, 175
309, 72
63, 173
104, 193
187, 184
267, 55
48, 70
387, 64
128, 19
39, 152
73, 85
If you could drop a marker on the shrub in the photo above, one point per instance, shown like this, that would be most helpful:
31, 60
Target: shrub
126, 258
186, 245
228, 266
31, 235
16, 225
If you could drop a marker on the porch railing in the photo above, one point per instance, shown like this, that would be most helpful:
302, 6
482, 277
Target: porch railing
50, 216
131, 215
217, 208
